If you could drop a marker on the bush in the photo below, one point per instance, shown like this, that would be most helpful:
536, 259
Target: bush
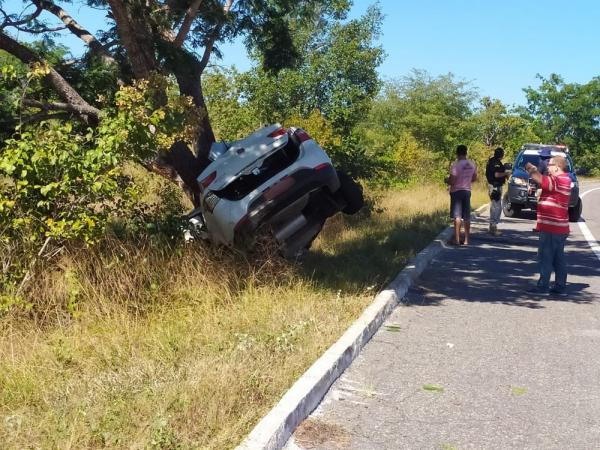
61, 182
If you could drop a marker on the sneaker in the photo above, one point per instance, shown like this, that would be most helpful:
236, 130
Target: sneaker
538, 290
560, 291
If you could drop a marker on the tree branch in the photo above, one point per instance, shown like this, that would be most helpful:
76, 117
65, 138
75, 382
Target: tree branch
7, 22
44, 115
190, 15
83, 34
41, 29
64, 90
55, 106
213, 37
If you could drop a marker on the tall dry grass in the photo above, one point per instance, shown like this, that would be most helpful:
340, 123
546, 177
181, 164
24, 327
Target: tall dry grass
152, 347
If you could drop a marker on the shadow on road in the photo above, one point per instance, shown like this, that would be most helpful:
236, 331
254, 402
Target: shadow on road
499, 270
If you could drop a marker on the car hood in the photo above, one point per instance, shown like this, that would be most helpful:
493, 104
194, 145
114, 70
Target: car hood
243, 156
520, 173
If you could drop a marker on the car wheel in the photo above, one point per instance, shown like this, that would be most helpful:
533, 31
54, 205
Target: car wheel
509, 209
352, 193
575, 211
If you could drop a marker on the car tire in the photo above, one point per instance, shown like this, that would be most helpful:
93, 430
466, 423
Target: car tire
509, 209
351, 192
575, 211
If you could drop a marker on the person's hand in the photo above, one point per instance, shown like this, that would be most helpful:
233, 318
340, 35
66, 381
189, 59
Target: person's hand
530, 167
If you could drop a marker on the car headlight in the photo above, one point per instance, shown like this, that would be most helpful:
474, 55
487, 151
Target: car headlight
518, 181
574, 184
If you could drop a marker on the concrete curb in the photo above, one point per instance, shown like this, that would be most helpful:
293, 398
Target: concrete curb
274, 430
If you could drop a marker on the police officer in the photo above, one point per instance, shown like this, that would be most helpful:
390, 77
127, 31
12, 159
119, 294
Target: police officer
496, 177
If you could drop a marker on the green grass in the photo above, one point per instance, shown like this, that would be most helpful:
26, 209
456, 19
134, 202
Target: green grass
145, 347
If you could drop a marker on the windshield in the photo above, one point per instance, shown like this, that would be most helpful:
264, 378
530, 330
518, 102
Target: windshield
523, 159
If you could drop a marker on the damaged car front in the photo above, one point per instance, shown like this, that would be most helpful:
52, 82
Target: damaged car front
276, 180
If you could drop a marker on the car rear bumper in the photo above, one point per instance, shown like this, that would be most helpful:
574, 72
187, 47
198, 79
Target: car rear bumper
288, 191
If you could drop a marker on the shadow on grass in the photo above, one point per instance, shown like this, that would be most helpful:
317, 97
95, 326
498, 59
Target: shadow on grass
372, 260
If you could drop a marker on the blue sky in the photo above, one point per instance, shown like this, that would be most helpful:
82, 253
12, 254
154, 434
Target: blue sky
499, 46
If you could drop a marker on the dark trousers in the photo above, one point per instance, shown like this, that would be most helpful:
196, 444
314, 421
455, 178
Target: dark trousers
551, 257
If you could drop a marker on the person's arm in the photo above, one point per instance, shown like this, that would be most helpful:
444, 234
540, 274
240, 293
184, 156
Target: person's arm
534, 173
451, 175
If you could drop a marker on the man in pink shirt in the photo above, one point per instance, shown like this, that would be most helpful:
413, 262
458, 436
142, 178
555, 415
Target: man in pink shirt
463, 172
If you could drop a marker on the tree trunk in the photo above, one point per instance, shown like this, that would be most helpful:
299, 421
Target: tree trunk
137, 38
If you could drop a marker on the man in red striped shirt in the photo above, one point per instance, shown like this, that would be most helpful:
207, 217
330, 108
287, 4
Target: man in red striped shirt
553, 224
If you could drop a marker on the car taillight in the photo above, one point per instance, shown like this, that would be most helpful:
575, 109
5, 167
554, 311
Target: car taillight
302, 135
278, 132
241, 223
209, 179
322, 166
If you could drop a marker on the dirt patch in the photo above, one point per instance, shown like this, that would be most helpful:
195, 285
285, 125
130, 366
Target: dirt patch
314, 434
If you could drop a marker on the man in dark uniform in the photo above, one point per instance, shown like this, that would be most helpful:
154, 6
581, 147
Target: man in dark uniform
496, 177
545, 155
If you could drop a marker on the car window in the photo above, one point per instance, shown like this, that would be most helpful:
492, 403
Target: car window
570, 164
523, 159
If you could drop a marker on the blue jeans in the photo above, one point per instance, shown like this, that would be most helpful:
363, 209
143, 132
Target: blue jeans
551, 257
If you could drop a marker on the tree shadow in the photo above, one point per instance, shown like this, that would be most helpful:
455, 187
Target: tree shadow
500, 270
491, 269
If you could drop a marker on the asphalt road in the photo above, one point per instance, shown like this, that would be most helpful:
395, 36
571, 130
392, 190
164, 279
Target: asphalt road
472, 361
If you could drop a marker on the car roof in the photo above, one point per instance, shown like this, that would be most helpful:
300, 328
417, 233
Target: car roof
537, 152
551, 147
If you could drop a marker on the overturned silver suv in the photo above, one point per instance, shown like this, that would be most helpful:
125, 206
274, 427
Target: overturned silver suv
278, 181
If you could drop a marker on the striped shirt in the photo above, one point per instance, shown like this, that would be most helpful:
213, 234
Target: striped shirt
553, 205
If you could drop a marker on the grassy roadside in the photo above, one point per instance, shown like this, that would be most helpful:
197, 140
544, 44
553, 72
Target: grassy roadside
140, 348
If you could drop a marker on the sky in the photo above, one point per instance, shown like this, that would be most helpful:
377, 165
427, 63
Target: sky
498, 46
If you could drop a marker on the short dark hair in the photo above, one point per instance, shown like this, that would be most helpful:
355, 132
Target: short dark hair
499, 152
461, 150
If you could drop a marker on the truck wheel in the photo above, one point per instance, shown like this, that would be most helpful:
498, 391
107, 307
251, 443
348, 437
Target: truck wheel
508, 208
352, 193
575, 211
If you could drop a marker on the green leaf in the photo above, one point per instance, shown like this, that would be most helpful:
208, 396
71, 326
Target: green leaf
433, 388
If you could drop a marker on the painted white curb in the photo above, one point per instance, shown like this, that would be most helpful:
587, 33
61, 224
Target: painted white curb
274, 430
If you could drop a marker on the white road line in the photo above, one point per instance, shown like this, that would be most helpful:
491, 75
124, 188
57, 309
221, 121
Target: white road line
586, 231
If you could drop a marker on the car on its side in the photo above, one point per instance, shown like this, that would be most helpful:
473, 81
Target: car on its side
522, 190
277, 180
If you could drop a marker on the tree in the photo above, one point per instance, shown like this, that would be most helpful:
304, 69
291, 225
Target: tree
175, 38
495, 125
338, 76
567, 113
433, 109
327, 92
